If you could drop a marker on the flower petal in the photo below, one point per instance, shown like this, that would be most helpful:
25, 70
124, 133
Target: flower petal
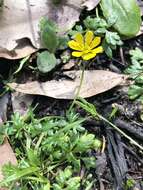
88, 37
95, 42
76, 53
88, 56
79, 39
98, 50
74, 45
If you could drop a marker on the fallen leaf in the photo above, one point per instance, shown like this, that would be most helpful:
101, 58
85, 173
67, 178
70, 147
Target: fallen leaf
20, 20
23, 49
90, 4
69, 65
7, 155
21, 102
94, 82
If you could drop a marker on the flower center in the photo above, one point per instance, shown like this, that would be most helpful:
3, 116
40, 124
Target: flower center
87, 49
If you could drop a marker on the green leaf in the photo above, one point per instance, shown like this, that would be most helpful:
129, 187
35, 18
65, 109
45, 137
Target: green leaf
49, 34
63, 41
64, 175
90, 162
95, 23
19, 173
130, 183
128, 15
107, 49
135, 69
136, 54
73, 32
46, 187
112, 20
100, 31
136, 74
97, 144
76, 162
113, 38
139, 79
85, 142
22, 62
90, 108
33, 157
135, 92
111, 41
73, 183
46, 62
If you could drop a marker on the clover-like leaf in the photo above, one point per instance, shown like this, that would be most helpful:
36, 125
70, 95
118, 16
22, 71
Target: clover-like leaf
46, 62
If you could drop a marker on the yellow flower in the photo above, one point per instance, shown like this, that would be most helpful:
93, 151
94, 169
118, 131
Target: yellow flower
86, 46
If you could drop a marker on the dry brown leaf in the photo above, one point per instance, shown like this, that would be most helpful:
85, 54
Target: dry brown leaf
69, 65
6, 155
95, 82
91, 4
23, 49
21, 102
20, 20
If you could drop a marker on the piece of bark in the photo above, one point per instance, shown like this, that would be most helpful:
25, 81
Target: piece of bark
135, 131
117, 158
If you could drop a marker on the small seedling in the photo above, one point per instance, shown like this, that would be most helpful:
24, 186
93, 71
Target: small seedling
129, 184
136, 74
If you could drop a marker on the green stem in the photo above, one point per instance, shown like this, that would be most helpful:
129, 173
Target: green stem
97, 14
79, 88
120, 131
39, 141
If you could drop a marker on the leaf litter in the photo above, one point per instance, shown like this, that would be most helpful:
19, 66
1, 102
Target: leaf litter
94, 82
25, 15
90, 4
